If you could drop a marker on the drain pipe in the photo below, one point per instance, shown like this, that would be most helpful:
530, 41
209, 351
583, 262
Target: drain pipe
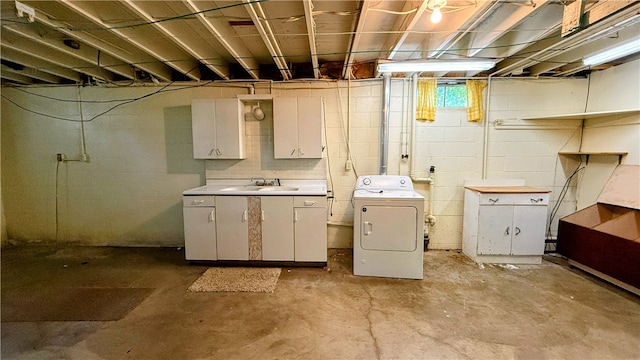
430, 219
384, 124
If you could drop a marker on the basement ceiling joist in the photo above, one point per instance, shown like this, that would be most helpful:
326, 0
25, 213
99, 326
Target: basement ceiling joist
140, 41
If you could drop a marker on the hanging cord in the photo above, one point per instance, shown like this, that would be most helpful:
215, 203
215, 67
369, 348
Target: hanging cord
563, 192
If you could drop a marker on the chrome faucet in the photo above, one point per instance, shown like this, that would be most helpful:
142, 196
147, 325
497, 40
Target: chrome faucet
259, 181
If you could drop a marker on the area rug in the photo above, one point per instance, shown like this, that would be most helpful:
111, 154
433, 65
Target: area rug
237, 279
70, 304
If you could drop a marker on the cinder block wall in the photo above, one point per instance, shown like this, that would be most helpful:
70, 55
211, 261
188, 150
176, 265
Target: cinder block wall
140, 155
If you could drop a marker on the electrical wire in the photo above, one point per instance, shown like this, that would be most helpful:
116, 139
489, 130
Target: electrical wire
124, 102
147, 23
561, 196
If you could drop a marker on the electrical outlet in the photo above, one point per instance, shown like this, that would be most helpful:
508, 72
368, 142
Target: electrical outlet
61, 157
348, 166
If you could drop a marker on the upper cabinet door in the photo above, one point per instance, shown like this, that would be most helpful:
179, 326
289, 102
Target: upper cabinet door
297, 128
229, 129
285, 128
310, 128
203, 128
218, 129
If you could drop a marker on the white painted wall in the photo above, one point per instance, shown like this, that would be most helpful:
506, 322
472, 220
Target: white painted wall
140, 155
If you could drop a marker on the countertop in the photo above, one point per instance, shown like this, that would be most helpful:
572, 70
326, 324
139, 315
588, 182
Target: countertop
507, 189
242, 187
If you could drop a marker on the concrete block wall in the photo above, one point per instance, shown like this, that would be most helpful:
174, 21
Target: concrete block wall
141, 160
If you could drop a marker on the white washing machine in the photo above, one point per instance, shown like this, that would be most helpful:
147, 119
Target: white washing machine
387, 227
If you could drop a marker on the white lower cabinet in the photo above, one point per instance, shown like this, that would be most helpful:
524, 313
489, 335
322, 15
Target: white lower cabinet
505, 227
232, 230
277, 228
199, 215
310, 230
290, 228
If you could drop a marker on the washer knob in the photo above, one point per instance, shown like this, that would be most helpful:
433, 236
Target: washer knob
402, 181
366, 181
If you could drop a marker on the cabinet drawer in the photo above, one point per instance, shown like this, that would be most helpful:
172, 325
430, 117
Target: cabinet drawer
310, 201
204, 200
514, 199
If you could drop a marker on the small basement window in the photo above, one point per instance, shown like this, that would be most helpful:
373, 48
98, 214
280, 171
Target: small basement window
451, 95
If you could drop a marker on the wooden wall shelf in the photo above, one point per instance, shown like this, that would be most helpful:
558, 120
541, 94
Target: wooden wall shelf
587, 115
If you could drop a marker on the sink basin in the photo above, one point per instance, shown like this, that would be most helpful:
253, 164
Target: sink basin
258, 188
241, 188
277, 188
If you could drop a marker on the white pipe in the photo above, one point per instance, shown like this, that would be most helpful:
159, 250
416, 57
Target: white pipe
83, 156
384, 124
429, 219
485, 136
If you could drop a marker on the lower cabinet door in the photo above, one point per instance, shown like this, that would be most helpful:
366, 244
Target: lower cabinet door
232, 227
310, 234
495, 229
200, 233
528, 230
277, 228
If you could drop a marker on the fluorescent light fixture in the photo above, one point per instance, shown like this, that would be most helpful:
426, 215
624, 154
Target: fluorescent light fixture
436, 66
617, 52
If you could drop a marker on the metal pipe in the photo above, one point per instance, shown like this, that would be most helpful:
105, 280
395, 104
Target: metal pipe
384, 124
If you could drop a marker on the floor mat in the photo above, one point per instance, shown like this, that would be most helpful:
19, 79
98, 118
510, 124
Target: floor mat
221, 279
70, 304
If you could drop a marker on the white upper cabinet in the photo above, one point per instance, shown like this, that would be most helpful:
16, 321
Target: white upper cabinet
218, 129
297, 128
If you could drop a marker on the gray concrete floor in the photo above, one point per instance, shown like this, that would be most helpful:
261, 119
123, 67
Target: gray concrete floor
459, 310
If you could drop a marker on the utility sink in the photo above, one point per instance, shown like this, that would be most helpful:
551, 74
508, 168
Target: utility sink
232, 187
258, 188
277, 188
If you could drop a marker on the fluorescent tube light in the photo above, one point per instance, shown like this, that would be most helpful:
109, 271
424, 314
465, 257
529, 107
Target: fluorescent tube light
436, 66
617, 52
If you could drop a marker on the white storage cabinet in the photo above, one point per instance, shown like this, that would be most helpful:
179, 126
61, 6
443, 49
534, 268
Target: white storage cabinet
505, 224
199, 214
297, 128
232, 231
277, 228
217, 128
310, 231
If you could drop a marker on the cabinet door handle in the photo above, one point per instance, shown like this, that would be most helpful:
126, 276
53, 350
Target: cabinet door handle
211, 152
506, 232
300, 152
293, 152
517, 231
536, 200
368, 228
295, 216
262, 215
197, 202
494, 200
218, 152
244, 216
212, 215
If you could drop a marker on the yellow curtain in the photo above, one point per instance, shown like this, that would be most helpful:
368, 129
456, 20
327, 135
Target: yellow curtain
426, 107
474, 99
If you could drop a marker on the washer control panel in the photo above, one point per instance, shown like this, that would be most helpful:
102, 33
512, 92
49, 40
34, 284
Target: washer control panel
384, 182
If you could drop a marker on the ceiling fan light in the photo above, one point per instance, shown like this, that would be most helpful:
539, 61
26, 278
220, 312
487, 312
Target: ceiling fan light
436, 15
617, 52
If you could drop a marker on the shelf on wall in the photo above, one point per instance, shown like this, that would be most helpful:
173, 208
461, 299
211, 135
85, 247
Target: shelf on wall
619, 154
587, 115
255, 97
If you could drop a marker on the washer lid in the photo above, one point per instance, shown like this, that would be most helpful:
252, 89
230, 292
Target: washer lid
387, 194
